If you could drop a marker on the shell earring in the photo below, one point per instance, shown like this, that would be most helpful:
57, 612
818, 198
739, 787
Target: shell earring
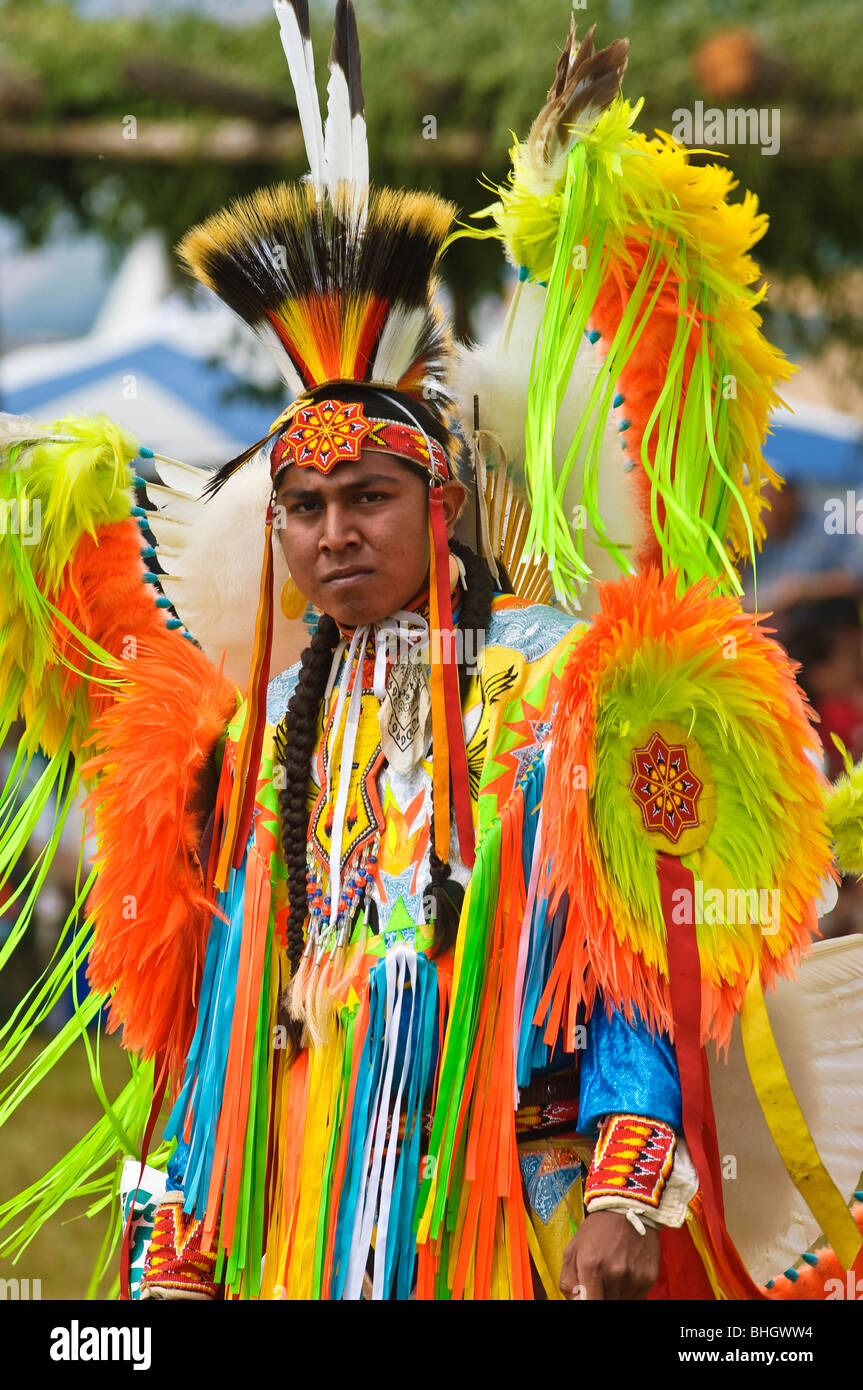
292, 602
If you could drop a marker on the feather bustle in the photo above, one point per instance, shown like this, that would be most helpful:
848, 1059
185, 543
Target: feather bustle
150, 903
845, 813
653, 654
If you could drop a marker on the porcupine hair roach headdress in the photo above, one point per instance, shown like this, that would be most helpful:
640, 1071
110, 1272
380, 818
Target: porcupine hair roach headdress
338, 280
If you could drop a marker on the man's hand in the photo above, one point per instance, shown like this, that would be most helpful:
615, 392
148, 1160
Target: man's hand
607, 1258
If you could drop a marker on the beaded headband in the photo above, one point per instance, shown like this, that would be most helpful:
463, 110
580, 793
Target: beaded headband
322, 434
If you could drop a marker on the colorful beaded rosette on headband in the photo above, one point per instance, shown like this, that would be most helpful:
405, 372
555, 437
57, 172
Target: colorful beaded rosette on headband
338, 281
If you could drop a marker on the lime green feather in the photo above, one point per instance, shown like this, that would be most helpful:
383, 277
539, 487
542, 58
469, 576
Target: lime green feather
56, 488
845, 816
54, 491
91, 1169
78, 480
576, 226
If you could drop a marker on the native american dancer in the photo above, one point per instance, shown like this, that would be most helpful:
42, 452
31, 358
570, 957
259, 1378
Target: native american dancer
427, 933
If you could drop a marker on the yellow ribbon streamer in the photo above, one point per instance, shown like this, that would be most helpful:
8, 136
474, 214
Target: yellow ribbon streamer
552, 1292
694, 1228
789, 1129
325, 1069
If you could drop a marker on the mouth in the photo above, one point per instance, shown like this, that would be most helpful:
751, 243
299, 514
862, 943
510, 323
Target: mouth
346, 578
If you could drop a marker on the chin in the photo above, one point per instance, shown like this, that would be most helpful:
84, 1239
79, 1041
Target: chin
364, 604
354, 615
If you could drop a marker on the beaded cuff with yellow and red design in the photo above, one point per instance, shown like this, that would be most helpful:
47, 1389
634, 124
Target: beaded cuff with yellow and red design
632, 1159
175, 1267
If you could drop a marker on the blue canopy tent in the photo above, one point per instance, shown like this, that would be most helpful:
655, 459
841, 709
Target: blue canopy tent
172, 395
816, 445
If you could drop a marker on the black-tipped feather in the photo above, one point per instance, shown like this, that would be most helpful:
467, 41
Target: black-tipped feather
345, 54
227, 470
277, 258
301, 10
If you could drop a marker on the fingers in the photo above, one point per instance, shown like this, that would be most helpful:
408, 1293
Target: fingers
568, 1275
591, 1284
580, 1279
630, 1272
624, 1282
608, 1260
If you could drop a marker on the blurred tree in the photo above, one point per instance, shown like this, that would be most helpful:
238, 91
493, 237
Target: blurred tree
446, 83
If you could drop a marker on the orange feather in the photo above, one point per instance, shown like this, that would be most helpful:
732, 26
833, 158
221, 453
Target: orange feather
151, 741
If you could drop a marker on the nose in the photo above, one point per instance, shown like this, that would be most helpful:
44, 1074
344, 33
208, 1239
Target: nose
338, 531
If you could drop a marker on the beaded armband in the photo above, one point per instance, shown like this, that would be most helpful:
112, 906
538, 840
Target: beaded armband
175, 1266
632, 1159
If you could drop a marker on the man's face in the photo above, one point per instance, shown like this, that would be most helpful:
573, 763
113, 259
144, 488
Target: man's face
356, 539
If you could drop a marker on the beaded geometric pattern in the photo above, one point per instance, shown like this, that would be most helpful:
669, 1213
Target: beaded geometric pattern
324, 434
175, 1259
550, 1116
364, 820
632, 1158
665, 787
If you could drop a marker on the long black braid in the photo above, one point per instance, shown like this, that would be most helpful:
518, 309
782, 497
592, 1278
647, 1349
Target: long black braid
295, 742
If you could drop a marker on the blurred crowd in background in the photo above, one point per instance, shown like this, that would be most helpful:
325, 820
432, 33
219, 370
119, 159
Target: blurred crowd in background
809, 577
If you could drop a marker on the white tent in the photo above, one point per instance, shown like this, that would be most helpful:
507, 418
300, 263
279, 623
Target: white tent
170, 370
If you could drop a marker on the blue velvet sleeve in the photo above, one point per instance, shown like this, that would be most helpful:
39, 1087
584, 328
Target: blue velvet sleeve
626, 1070
177, 1166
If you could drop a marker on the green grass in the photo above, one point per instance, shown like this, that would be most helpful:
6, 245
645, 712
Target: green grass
49, 1122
